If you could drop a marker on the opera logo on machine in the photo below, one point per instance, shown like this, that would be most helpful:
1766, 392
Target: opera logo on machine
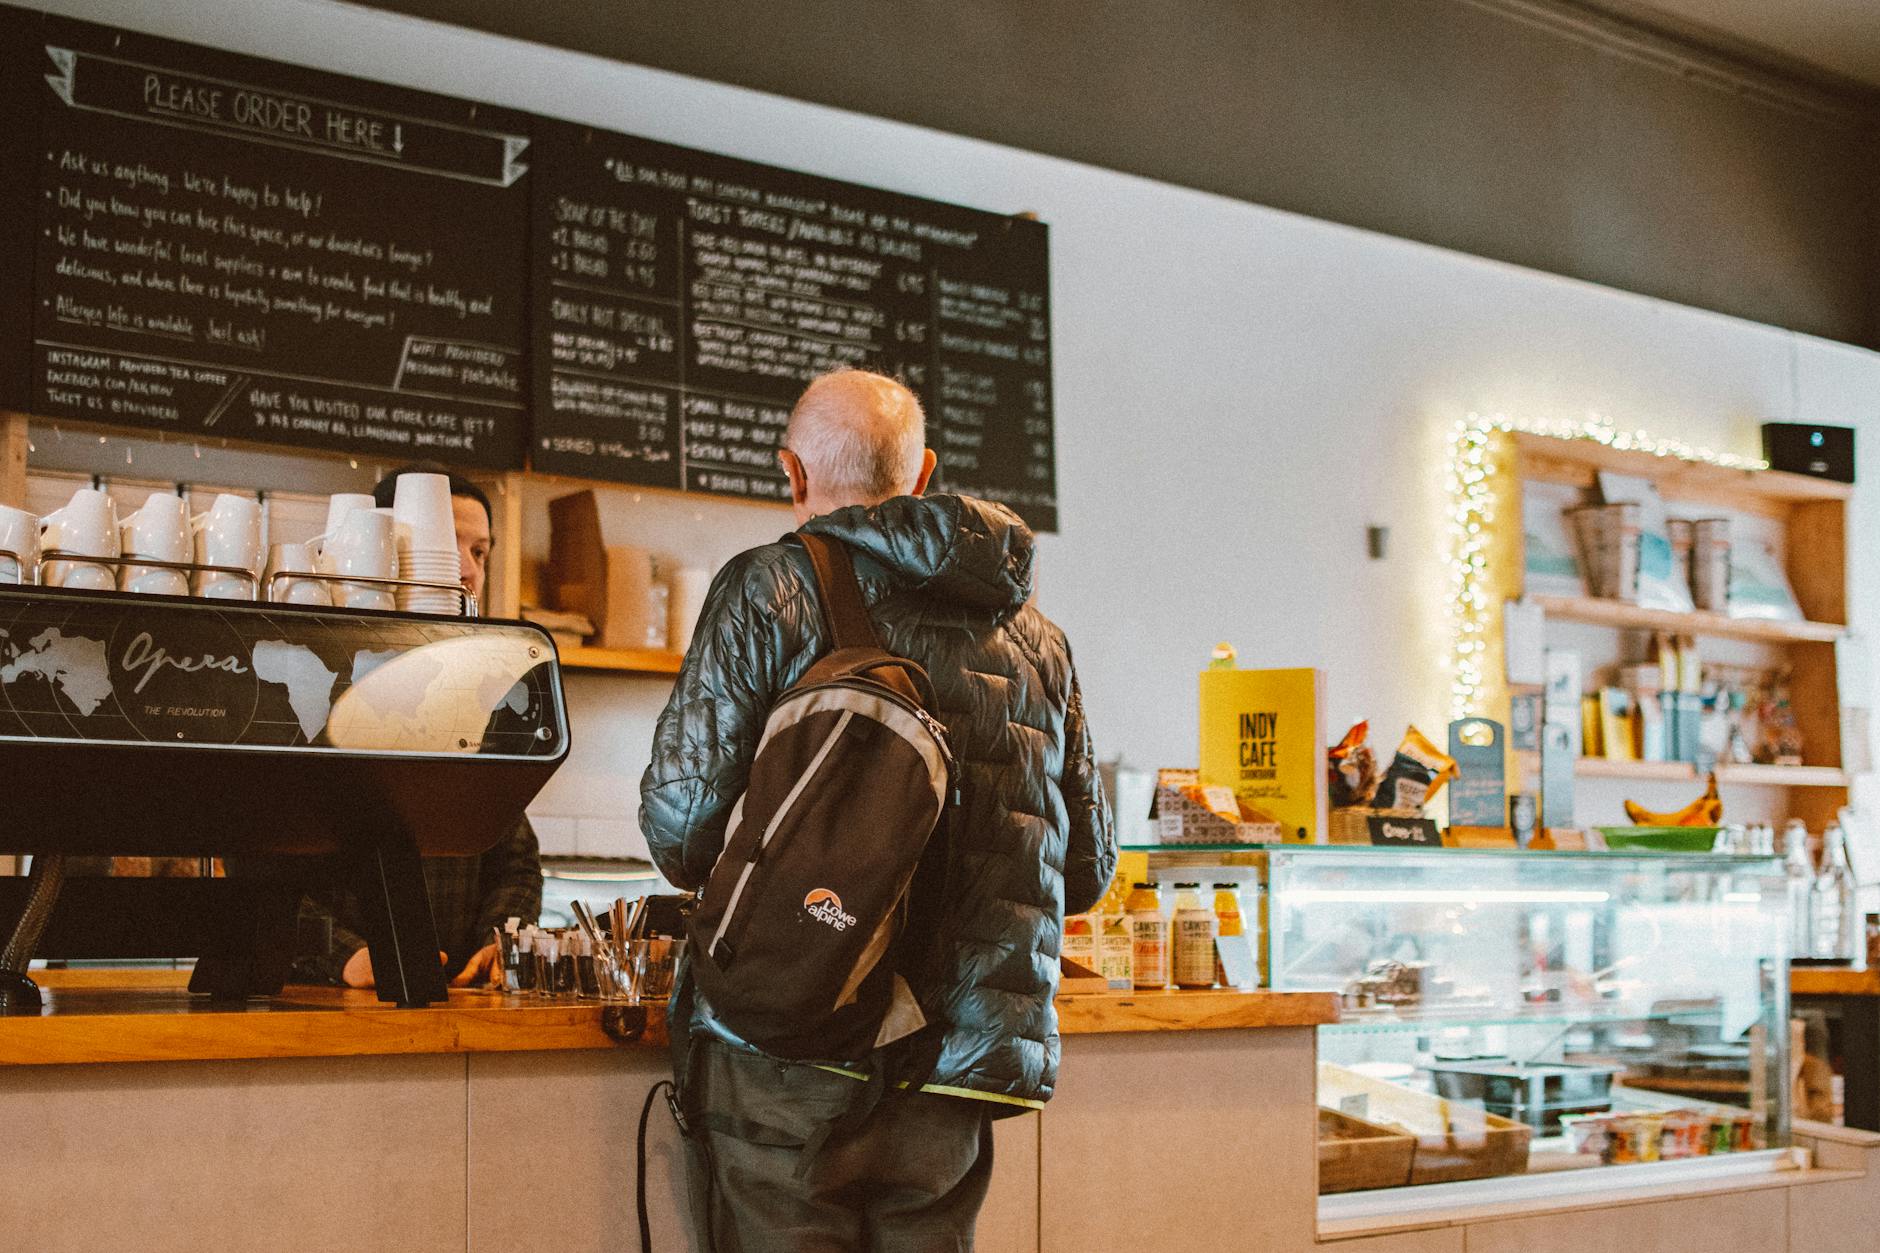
826, 907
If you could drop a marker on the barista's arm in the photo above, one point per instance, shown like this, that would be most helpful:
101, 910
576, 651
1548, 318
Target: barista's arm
328, 966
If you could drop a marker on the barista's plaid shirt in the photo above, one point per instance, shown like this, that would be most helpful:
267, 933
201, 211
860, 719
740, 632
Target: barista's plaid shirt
469, 895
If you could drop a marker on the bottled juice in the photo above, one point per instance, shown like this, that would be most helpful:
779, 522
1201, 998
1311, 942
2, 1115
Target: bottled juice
1116, 951
1148, 933
1195, 927
1080, 940
1227, 921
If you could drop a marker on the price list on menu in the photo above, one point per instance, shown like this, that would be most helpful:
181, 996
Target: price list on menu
682, 300
226, 246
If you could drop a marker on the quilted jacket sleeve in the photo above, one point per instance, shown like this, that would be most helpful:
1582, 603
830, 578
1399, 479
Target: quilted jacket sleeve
1090, 858
708, 733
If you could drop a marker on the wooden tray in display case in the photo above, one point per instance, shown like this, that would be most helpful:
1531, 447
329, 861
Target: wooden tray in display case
1355, 1154
1453, 1140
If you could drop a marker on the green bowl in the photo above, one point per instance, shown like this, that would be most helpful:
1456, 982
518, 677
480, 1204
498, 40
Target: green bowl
1662, 839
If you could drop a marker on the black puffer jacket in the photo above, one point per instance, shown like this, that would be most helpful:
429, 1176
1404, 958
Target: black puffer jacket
946, 579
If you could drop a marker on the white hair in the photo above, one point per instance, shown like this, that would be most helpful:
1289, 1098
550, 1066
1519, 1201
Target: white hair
860, 436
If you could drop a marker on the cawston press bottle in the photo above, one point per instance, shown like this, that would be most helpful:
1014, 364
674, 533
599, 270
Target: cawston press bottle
1148, 932
1195, 928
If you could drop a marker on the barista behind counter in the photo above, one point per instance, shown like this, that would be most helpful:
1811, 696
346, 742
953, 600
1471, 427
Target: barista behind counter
469, 895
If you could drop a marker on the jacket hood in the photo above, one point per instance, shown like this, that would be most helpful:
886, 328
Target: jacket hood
950, 548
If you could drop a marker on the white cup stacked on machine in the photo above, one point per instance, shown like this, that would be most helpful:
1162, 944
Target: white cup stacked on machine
19, 545
426, 528
160, 530
287, 560
86, 526
359, 541
228, 535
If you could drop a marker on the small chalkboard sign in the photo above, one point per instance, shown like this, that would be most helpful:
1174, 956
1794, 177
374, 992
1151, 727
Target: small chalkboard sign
1479, 796
1405, 832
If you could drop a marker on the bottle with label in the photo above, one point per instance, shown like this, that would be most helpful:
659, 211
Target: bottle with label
1116, 951
1195, 928
1834, 901
1227, 922
1080, 940
1800, 867
1148, 932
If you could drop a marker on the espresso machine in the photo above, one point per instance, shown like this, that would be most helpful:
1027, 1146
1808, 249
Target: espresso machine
293, 743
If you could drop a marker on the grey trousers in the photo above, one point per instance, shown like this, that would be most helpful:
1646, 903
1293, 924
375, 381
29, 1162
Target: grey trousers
911, 1180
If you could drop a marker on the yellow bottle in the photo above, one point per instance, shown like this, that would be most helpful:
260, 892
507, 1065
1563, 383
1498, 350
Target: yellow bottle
1228, 921
1148, 931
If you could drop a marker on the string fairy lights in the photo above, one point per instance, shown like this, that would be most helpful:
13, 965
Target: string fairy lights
1472, 496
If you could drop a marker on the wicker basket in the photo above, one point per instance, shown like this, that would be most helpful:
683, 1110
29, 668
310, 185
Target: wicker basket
1353, 825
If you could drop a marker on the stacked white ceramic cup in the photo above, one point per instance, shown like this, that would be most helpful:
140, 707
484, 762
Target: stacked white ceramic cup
159, 531
229, 536
87, 526
19, 536
427, 543
358, 541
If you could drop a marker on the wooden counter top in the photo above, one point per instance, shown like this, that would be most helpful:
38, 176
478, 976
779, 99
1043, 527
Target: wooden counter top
137, 1024
1830, 981
147, 1015
1214, 1010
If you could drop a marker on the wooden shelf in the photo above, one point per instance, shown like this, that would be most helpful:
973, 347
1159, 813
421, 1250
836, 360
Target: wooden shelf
1617, 613
622, 660
1578, 460
1684, 772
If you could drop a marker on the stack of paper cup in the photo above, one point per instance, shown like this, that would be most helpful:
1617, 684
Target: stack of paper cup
427, 543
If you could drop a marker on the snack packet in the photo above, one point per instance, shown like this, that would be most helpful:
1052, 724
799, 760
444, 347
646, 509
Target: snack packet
1351, 767
1416, 774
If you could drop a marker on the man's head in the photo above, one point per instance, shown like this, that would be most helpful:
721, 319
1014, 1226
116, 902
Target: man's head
472, 510
855, 438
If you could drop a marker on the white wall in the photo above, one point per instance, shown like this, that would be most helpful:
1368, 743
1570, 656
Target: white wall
1239, 393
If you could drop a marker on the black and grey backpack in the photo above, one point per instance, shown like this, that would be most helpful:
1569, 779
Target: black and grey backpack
797, 941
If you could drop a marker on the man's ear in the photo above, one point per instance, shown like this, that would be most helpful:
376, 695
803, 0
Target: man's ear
799, 478
928, 463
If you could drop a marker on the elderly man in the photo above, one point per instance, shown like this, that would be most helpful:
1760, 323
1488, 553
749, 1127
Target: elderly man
947, 580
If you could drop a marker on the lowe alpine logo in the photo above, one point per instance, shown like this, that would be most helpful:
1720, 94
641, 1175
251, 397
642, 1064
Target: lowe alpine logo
826, 907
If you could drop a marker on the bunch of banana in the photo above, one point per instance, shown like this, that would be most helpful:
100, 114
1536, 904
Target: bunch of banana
1705, 811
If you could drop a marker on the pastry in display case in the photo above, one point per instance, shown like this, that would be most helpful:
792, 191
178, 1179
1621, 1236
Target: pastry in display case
1516, 1013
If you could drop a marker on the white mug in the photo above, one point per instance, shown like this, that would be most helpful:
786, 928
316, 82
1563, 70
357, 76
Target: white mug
339, 505
363, 546
293, 559
228, 535
85, 524
19, 535
160, 531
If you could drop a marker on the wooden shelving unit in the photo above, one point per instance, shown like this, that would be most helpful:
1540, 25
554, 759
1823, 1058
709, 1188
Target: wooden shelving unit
1728, 774
1617, 613
622, 660
1812, 513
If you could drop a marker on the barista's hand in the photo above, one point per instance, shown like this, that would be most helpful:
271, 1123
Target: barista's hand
482, 968
358, 971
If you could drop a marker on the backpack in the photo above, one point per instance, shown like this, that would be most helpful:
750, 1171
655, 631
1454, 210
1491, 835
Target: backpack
796, 942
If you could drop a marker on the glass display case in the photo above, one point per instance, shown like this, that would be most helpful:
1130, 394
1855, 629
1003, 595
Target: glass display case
1511, 1013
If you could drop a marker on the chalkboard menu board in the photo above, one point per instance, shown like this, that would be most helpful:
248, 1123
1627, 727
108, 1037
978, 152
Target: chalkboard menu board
682, 299
231, 246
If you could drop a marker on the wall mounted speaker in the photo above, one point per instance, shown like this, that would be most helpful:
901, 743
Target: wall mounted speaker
1827, 452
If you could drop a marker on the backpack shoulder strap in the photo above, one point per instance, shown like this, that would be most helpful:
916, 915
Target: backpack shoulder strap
843, 611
